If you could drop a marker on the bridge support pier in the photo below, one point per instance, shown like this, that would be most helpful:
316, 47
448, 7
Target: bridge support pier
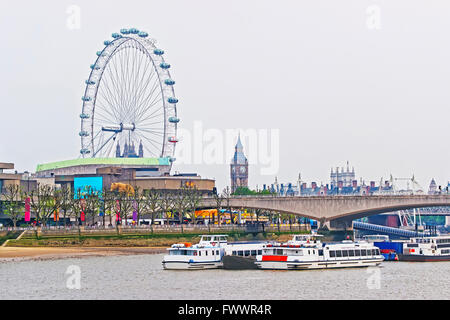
339, 225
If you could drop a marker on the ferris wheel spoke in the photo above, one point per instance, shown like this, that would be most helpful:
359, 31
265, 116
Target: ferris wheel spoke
152, 115
105, 109
113, 92
143, 99
154, 143
143, 84
149, 104
112, 105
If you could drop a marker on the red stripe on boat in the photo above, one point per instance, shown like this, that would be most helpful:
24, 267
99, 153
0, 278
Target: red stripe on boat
274, 258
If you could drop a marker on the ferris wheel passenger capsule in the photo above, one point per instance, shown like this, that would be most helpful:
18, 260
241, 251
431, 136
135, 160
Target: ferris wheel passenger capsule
134, 31
89, 82
158, 52
124, 31
164, 65
173, 139
172, 159
93, 66
143, 34
83, 134
86, 98
174, 119
84, 151
172, 100
84, 116
169, 82
116, 35
107, 42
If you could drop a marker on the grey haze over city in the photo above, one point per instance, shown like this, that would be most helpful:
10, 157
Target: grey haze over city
338, 83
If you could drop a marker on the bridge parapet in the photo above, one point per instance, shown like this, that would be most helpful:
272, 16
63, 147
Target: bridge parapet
328, 208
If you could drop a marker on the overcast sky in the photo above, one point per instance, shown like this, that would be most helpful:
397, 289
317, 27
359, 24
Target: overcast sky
339, 81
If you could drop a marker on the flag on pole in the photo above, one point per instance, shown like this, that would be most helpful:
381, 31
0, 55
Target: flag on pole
27, 210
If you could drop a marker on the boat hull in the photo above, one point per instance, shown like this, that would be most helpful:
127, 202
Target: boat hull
185, 265
286, 265
239, 263
422, 258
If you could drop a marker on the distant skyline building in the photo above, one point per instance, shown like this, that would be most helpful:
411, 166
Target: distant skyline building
433, 187
239, 167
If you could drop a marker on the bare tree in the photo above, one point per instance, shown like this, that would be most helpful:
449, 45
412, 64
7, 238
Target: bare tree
139, 202
43, 204
226, 195
14, 207
63, 198
181, 203
218, 198
166, 202
193, 198
76, 207
152, 202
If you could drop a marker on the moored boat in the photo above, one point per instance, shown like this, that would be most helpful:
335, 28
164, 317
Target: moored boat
207, 254
310, 255
426, 249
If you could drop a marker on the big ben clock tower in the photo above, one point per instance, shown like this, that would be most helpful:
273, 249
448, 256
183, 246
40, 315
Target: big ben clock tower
239, 167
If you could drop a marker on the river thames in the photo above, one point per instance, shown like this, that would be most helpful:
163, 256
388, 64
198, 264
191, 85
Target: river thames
142, 277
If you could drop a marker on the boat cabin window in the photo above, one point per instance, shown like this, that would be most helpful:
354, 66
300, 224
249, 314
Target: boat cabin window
183, 252
320, 252
363, 252
247, 253
338, 253
332, 254
278, 252
259, 252
253, 253
345, 253
240, 253
206, 252
357, 252
217, 252
351, 253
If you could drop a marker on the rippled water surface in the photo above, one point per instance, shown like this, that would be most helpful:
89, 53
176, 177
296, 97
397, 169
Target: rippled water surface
142, 277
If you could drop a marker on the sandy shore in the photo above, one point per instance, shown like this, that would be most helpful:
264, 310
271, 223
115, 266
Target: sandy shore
48, 253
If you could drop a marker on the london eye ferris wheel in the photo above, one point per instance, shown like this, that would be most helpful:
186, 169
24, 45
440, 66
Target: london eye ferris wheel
129, 105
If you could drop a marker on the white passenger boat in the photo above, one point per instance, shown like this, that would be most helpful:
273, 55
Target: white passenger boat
311, 254
242, 255
425, 249
207, 254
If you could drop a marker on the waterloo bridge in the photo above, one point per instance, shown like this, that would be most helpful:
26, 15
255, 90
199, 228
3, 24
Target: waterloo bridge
335, 212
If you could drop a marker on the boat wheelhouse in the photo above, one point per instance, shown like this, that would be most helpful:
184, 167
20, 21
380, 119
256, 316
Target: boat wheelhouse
207, 254
319, 256
424, 249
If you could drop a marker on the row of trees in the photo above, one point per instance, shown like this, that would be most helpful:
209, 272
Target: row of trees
47, 202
